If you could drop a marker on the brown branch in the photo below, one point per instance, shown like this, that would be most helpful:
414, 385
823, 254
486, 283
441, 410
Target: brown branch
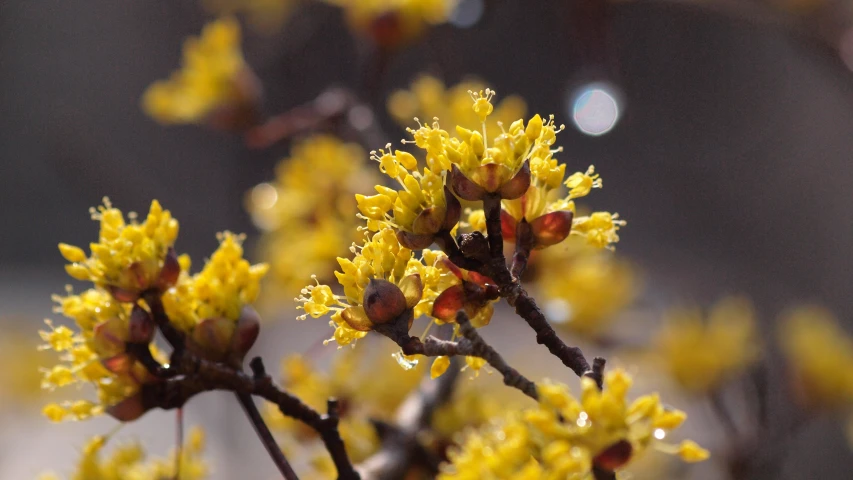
188, 376
524, 242
472, 345
401, 444
473, 245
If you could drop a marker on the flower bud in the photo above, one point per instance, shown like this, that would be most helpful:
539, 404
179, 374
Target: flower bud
518, 184
414, 241
170, 270
463, 186
383, 301
245, 333
614, 456
211, 338
450, 301
109, 337
141, 326
128, 409
552, 228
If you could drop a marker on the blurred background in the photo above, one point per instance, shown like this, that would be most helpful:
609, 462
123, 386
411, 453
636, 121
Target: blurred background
723, 132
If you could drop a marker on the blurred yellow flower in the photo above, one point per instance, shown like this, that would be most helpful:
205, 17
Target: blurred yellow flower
702, 355
565, 437
265, 16
214, 76
583, 288
129, 461
392, 23
820, 356
308, 218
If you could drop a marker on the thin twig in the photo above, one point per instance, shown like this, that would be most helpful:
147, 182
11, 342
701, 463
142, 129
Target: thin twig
265, 436
188, 375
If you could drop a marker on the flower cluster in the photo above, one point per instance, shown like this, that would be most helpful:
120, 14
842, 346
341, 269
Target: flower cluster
701, 355
386, 284
391, 23
567, 437
583, 287
381, 286
309, 219
128, 258
132, 265
129, 461
214, 84
212, 306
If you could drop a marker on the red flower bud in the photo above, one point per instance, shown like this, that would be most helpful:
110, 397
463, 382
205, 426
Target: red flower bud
383, 301
170, 270
128, 409
614, 456
552, 228
141, 326
464, 187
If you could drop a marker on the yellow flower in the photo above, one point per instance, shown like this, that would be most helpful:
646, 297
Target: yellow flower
699, 355
128, 257
265, 16
129, 461
820, 356
213, 76
428, 98
394, 22
565, 436
379, 286
420, 210
226, 284
308, 212
583, 288
94, 354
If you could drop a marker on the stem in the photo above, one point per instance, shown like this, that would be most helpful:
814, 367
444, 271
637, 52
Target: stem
189, 375
523, 244
492, 211
265, 436
471, 345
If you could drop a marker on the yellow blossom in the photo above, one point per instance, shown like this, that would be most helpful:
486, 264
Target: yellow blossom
701, 355
820, 356
128, 257
128, 461
308, 212
583, 288
380, 259
428, 98
221, 289
393, 22
266, 16
565, 436
213, 75
93, 354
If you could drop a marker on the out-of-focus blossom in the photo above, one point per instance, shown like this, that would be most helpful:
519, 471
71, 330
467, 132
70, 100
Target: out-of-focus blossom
392, 23
214, 85
701, 354
583, 288
308, 212
128, 461
820, 357
265, 16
